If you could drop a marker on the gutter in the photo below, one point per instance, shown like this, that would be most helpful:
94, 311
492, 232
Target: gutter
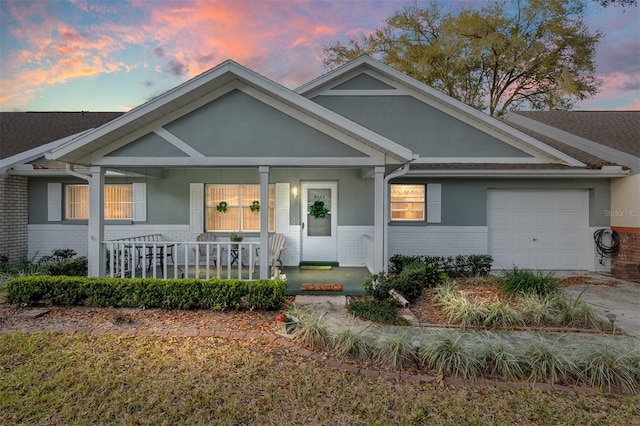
587, 173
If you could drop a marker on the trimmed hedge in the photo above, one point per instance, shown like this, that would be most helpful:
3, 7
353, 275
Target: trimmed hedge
217, 294
460, 266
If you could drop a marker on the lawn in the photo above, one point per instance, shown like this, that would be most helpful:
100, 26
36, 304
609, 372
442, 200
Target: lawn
50, 378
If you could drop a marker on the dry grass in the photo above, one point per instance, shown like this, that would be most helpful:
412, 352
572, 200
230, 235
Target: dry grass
81, 379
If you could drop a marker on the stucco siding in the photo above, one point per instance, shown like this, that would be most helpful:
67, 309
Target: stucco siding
464, 201
625, 202
238, 125
418, 126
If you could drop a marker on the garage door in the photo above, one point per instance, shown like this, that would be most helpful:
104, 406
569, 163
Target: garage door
539, 229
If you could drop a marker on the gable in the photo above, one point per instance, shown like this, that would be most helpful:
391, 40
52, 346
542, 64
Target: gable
363, 82
425, 130
238, 125
148, 143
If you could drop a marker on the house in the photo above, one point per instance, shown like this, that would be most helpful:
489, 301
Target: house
398, 168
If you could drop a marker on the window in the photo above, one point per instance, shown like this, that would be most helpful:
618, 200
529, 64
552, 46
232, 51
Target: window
238, 216
407, 202
118, 202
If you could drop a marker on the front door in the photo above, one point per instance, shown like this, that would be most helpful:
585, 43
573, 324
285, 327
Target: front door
319, 221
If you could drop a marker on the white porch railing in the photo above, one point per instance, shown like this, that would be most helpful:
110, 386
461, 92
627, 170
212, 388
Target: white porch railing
151, 256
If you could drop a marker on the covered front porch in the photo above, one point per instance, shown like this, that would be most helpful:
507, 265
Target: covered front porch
231, 144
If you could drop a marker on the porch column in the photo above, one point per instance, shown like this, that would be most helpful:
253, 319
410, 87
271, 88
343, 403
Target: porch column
378, 220
96, 257
264, 222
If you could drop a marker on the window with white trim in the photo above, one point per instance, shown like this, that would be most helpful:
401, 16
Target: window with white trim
229, 208
407, 202
118, 202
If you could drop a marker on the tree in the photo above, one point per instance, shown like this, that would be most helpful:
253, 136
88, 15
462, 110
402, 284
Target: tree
536, 54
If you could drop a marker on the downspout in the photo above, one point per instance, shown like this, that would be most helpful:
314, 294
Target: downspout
387, 207
72, 172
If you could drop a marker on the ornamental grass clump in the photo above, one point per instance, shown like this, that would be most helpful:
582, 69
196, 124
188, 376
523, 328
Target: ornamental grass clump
348, 344
499, 315
312, 331
572, 312
458, 309
448, 355
538, 310
610, 368
499, 359
395, 351
526, 281
543, 362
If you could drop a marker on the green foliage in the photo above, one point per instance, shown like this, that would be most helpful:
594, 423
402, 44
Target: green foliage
395, 351
409, 282
312, 331
72, 267
608, 368
215, 294
459, 266
526, 281
447, 354
498, 315
496, 57
380, 311
544, 362
348, 344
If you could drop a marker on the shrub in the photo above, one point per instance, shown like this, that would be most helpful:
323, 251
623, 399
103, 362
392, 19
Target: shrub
146, 292
69, 267
516, 280
379, 311
459, 266
409, 282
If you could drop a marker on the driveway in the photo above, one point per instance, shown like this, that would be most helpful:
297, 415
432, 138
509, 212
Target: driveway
605, 294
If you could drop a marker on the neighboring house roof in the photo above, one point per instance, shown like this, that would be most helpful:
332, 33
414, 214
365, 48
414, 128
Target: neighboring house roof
613, 136
22, 131
616, 129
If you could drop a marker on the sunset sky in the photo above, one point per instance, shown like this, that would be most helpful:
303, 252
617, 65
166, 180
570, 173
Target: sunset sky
113, 55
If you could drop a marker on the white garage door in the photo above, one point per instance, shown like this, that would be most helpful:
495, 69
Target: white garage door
538, 229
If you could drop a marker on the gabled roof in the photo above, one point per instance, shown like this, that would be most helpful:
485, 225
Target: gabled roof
198, 91
438, 100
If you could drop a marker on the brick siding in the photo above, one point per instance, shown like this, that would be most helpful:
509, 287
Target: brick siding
13, 217
627, 264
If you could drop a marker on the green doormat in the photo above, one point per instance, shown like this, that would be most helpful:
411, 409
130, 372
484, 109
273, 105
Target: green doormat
316, 267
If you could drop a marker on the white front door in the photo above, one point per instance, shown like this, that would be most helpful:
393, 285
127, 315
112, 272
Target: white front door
319, 234
539, 229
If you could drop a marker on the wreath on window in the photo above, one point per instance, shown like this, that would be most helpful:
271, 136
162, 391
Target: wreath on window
255, 206
222, 207
318, 210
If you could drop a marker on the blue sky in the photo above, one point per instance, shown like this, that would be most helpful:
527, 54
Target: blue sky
113, 55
